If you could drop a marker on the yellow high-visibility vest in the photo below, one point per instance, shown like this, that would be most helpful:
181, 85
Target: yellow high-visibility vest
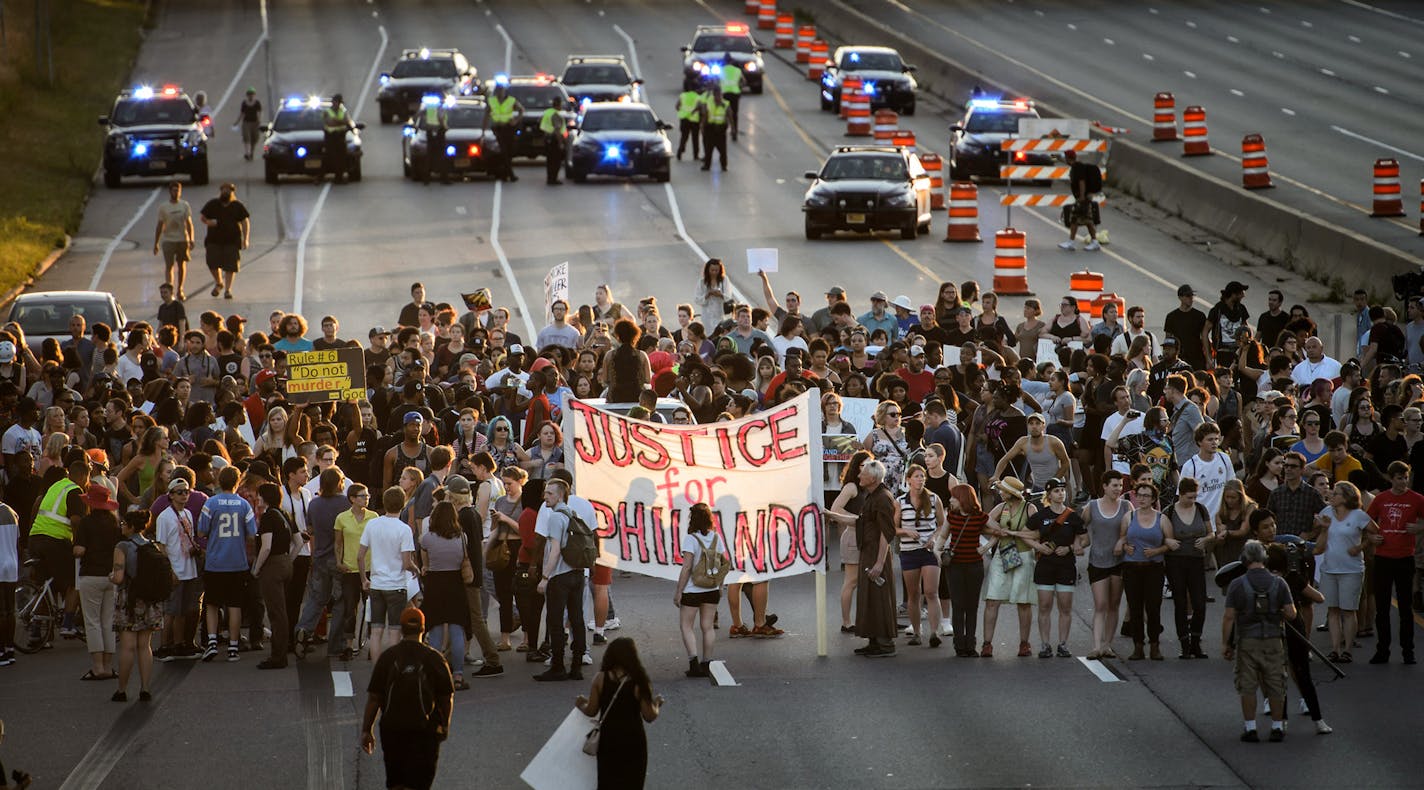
731, 78
53, 517
687, 102
501, 110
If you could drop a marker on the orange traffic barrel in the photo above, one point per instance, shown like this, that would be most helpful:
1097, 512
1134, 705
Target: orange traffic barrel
1164, 118
850, 85
820, 53
1085, 286
1388, 200
785, 31
1011, 263
804, 36
752, 7
963, 222
1194, 141
886, 122
934, 165
1106, 299
766, 15
858, 114
903, 138
1255, 172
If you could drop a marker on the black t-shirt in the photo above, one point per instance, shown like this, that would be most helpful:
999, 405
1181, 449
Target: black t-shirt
98, 534
356, 463
1225, 320
274, 523
172, 314
230, 365
228, 215
1087, 174
1187, 327
404, 653
251, 112
1059, 533
1390, 343
1269, 327
954, 337
1157, 379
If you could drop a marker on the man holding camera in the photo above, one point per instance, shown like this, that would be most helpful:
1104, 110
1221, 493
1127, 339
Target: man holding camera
1258, 604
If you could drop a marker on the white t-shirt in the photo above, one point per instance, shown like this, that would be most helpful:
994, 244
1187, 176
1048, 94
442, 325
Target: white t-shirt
1133, 427
1305, 372
1342, 534
695, 544
555, 533
9, 545
169, 526
19, 439
385, 539
175, 216
1211, 476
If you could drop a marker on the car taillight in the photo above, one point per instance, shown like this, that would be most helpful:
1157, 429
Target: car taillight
474, 149
1020, 156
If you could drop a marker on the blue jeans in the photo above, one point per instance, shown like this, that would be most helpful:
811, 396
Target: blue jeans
323, 586
436, 637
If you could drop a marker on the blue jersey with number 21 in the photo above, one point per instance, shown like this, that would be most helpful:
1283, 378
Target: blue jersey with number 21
227, 521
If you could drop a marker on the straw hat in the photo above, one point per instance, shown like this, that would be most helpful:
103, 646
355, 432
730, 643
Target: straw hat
1011, 488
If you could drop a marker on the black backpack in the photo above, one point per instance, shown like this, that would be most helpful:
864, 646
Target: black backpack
1092, 179
152, 578
580, 546
410, 697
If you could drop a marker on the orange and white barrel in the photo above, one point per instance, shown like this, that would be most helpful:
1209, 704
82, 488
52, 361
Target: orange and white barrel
766, 15
858, 122
903, 138
1388, 198
820, 53
1164, 118
934, 165
1255, 171
804, 36
850, 85
1106, 299
963, 222
1194, 138
785, 31
752, 7
1085, 286
1011, 263
886, 122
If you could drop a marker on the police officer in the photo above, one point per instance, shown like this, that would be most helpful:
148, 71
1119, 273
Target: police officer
336, 122
503, 118
689, 104
732, 80
556, 132
436, 121
713, 113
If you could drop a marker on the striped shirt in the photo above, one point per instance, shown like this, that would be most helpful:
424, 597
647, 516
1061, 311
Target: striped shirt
924, 526
964, 531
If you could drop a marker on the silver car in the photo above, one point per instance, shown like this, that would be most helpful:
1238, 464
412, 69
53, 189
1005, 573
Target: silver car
46, 314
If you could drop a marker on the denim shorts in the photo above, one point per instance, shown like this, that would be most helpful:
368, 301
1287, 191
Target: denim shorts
386, 607
915, 559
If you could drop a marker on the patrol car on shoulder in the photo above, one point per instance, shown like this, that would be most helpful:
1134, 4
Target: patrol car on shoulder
469, 145
295, 141
975, 142
600, 78
533, 92
884, 76
619, 139
420, 73
714, 45
155, 132
866, 188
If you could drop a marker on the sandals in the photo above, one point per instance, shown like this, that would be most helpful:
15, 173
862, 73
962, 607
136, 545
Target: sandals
1333, 657
1346, 658
217, 289
738, 631
91, 676
460, 684
847, 629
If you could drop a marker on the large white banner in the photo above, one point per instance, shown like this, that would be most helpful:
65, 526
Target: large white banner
761, 475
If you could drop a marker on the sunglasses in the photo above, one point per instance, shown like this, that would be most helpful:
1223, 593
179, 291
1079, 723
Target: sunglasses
892, 414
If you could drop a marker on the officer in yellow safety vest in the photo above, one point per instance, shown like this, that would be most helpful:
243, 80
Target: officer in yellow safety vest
555, 129
689, 107
505, 113
52, 537
713, 113
436, 121
732, 81
335, 122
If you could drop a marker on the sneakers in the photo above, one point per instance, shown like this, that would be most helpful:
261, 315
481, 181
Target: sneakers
935, 641
1067, 245
1063, 651
301, 644
1277, 735
914, 641
1046, 652
488, 671
7, 658
211, 652
766, 631
612, 624
232, 655
164, 653
1025, 649
600, 639
945, 629
1250, 736
885, 652
1321, 728
1304, 708
1093, 246
553, 674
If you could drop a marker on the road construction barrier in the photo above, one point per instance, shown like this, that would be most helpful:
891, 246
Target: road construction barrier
934, 165
903, 138
1085, 286
785, 31
1194, 138
1011, 263
963, 222
1388, 198
1106, 299
766, 15
820, 53
1054, 144
1039, 172
886, 122
850, 84
1044, 200
804, 36
752, 7
1102, 127
1164, 118
1255, 172
857, 107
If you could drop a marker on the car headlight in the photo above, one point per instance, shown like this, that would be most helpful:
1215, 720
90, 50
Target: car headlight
904, 199
751, 67
818, 199
665, 145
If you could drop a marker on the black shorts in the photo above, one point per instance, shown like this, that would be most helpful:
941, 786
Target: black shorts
1096, 574
224, 257
1048, 571
226, 589
699, 598
411, 758
56, 558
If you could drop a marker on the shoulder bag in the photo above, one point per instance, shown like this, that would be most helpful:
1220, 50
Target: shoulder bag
1010, 558
590, 741
497, 554
467, 570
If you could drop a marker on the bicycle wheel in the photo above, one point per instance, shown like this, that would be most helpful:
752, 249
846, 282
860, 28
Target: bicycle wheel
363, 625
34, 620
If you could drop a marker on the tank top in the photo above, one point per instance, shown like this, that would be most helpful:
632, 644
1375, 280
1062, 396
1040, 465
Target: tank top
1143, 538
1071, 332
1103, 531
924, 526
1187, 532
624, 388
420, 461
1042, 463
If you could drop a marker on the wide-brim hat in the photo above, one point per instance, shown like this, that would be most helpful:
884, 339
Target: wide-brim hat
1011, 487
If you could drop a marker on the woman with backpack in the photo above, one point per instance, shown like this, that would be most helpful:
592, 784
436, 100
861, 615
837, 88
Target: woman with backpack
699, 587
141, 571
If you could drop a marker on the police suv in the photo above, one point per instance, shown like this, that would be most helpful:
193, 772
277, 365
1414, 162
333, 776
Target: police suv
420, 73
715, 45
596, 78
155, 132
295, 142
884, 77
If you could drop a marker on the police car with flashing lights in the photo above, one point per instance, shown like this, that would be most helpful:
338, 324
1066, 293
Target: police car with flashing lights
885, 77
155, 132
420, 73
619, 139
534, 92
866, 188
714, 45
975, 142
468, 148
295, 142
600, 78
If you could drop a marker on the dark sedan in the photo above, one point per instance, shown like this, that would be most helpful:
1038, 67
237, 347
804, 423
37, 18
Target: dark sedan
296, 143
620, 139
468, 145
868, 188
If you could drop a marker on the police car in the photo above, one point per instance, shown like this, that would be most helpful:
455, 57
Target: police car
534, 92
155, 132
422, 72
468, 144
295, 141
884, 76
600, 78
975, 141
619, 139
867, 188
714, 45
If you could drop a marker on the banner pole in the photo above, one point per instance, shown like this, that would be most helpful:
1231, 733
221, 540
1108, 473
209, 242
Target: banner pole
821, 612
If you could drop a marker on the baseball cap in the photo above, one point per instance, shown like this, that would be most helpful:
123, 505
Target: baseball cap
7, 351
412, 619
1235, 287
1035, 417
1054, 482
1169, 341
917, 351
835, 290
412, 416
878, 296
1186, 290
541, 363
98, 457
266, 374
457, 484
378, 330
516, 349
177, 483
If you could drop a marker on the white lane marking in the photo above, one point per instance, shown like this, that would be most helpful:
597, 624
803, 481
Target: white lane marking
1373, 141
1096, 667
1304, 23
1288, 111
300, 279
508, 46
701, 254
1327, 72
118, 239
1378, 89
1146, 56
1264, 10
341, 684
1377, 10
1191, 74
1233, 39
720, 675
632, 49
1072, 26
1354, 39
1109, 42
1151, 10
1191, 24
1403, 54
504, 262
242, 69
1235, 92
460, 210
1276, 54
